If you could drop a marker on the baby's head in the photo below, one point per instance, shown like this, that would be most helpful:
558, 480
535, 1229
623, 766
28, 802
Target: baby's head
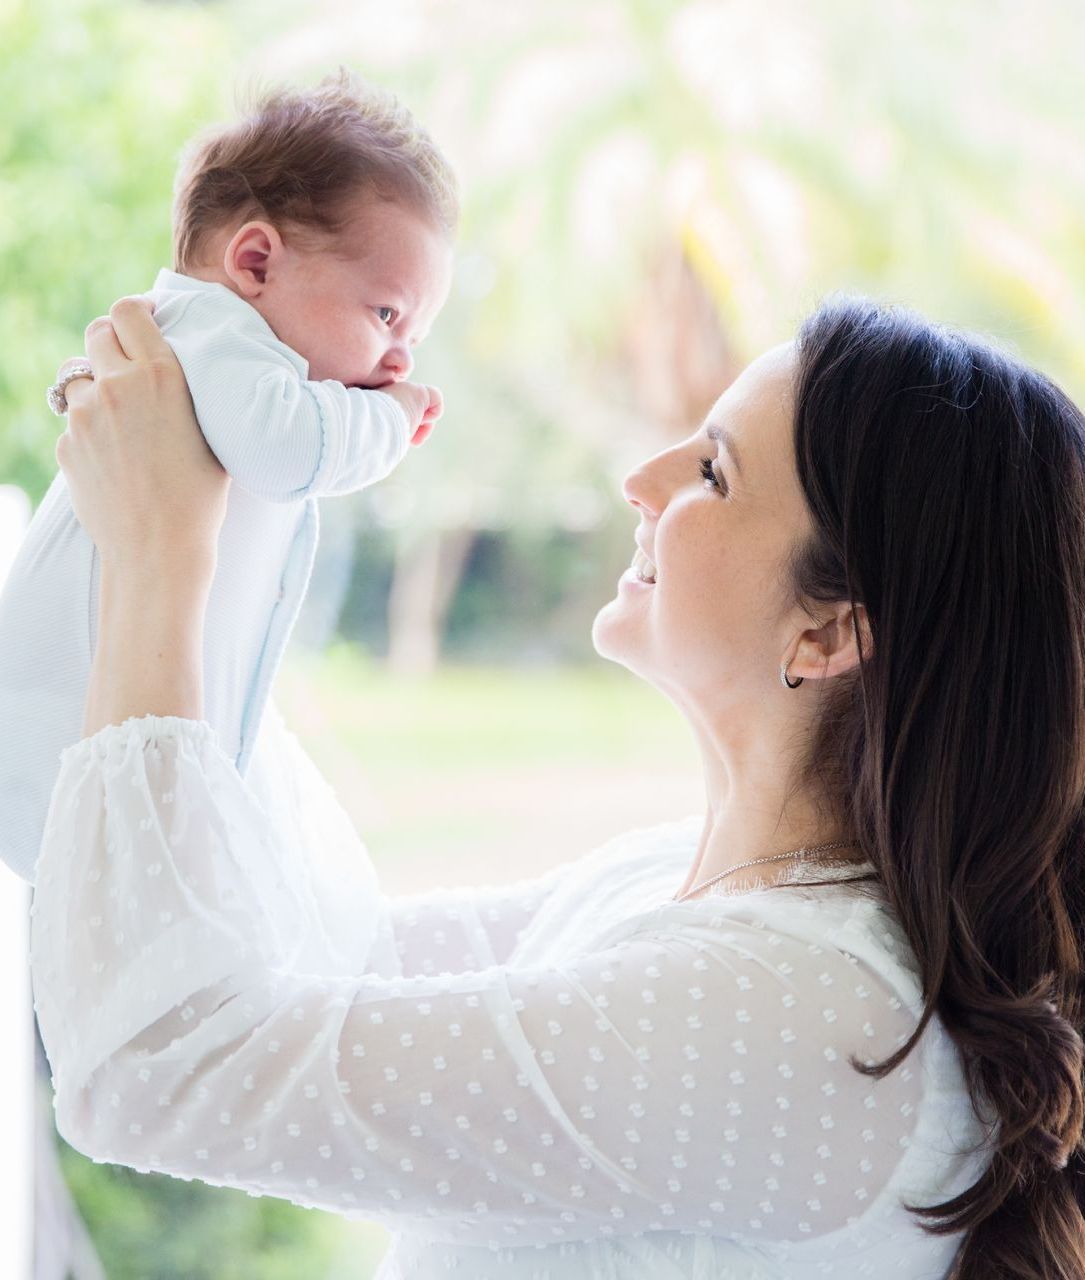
331, 211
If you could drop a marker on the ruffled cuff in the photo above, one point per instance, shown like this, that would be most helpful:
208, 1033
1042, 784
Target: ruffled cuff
160, 875
151, 730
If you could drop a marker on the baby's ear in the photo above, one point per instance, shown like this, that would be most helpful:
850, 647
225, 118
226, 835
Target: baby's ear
251, 254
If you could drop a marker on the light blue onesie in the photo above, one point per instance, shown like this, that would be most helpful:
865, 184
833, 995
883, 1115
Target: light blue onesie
285, 441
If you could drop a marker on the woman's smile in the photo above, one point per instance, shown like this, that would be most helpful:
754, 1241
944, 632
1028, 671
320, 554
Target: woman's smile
643, 567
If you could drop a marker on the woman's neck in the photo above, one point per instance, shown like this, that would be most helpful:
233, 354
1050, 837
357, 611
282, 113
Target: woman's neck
751, 813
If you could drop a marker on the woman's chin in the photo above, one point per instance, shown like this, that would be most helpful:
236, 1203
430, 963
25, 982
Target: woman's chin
610, 634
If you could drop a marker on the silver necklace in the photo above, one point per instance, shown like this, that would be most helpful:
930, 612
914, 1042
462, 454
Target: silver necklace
794, 853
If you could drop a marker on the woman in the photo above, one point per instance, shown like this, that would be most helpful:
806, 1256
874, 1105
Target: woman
831, 1030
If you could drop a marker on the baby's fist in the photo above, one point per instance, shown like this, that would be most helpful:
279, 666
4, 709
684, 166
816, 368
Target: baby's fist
423, 406
433, 411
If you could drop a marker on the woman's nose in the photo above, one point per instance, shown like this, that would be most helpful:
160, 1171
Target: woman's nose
643, 487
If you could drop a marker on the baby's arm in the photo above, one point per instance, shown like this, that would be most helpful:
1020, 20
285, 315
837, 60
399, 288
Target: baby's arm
280, 435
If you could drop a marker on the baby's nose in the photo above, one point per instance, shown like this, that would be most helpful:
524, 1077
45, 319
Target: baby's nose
398, 361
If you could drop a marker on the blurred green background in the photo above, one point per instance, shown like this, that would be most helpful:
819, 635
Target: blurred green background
654, 191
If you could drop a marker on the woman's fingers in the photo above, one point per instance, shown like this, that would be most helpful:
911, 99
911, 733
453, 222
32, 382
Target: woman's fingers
127, 334
135, 329
141, 476
79, 393
70, 363
103, 350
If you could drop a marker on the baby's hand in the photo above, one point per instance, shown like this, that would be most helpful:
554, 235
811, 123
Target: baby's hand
423, 406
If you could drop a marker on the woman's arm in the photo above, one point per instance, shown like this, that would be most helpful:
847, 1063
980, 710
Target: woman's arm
147, 488
188, 1031
149, 659
666, 1078
152, 496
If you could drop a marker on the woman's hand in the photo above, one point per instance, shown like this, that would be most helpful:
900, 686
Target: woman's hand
152, 496
143, 482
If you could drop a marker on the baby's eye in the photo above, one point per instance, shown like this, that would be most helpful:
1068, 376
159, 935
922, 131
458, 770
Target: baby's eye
386, 315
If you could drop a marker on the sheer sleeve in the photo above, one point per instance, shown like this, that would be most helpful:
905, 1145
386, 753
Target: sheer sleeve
689, 1079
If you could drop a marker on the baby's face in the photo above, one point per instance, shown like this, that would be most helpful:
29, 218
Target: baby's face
357, 310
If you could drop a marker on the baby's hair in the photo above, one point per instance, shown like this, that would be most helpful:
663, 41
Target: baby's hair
298, 157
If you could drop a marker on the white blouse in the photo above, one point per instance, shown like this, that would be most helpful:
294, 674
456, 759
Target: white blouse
570, 1077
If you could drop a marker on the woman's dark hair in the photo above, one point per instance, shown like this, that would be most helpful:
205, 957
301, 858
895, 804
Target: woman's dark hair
946, 484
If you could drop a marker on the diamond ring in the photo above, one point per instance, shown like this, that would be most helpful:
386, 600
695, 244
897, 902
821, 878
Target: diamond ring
55, 396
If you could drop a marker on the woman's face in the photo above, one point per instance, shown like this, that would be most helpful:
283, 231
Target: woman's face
719, 513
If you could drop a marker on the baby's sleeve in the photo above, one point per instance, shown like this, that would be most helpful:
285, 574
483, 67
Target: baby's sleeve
280, 435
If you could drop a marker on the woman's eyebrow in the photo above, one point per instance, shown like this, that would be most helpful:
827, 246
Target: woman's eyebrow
728, 441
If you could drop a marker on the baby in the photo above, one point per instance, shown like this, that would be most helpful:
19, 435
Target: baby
312, 252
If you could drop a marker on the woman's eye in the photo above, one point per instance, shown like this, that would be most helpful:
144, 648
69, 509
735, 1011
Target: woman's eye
708, 474
386, 315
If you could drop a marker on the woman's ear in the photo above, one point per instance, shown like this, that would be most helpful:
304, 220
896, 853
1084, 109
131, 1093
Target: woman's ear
833, 648
253, 253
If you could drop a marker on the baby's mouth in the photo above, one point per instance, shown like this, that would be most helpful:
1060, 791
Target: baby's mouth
643, 567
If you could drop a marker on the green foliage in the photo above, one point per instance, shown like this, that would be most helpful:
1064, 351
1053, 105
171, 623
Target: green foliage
153, 1225
107, 90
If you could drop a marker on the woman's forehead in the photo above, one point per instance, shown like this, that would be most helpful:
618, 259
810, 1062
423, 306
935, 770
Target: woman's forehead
761, 398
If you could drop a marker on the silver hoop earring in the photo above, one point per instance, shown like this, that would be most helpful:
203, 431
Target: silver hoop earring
783, 676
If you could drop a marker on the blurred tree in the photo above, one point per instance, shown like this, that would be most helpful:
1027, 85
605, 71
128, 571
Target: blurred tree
153, 1225
100, 94
656, 190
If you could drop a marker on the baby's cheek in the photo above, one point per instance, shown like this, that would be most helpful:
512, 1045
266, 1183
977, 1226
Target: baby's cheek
330, 338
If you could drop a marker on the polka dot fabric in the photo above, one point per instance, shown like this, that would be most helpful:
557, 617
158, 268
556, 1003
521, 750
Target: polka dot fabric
570, 1077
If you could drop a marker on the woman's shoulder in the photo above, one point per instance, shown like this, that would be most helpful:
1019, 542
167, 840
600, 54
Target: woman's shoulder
629, 883
850, 916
